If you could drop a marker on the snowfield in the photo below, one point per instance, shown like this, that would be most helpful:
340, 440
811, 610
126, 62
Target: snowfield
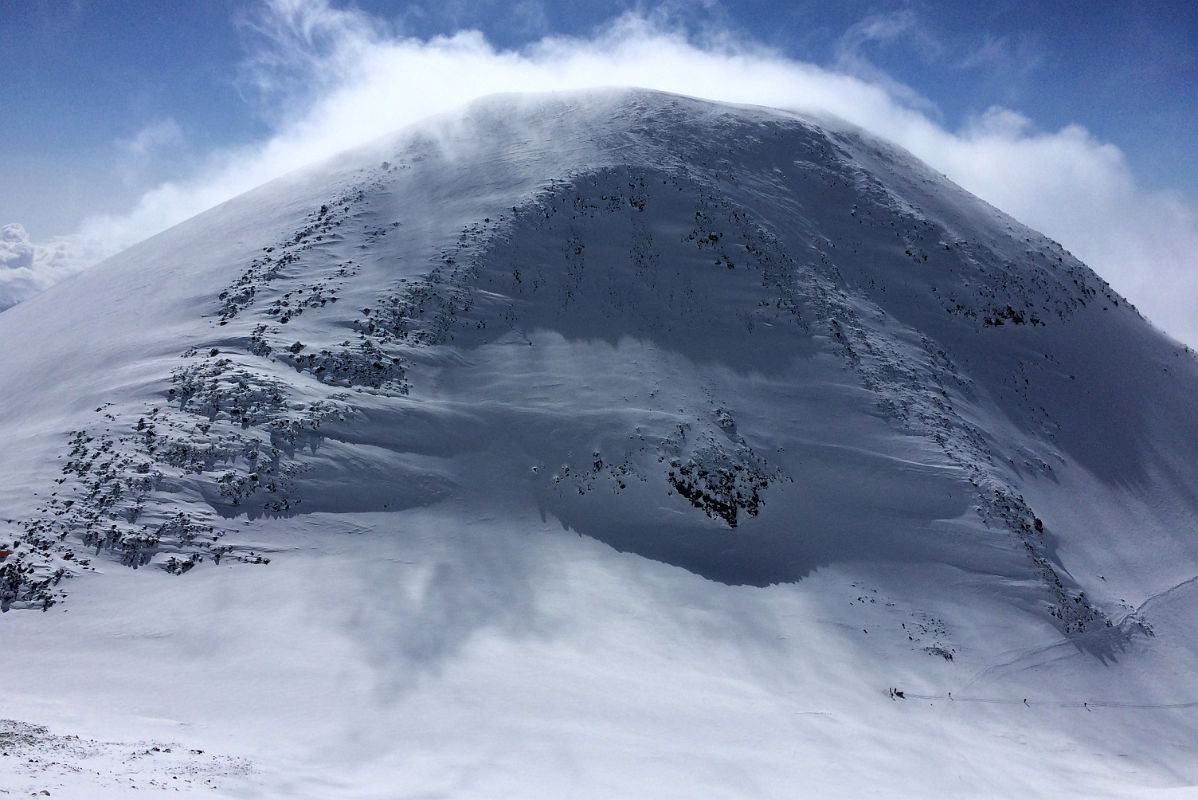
616, 444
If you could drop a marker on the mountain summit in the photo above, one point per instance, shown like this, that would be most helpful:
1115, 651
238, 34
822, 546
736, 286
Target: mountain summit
594, 443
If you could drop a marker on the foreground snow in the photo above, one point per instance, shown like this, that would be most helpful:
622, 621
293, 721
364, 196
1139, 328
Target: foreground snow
462, 657
621, 445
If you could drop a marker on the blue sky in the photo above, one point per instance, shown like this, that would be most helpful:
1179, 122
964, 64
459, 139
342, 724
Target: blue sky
124, 118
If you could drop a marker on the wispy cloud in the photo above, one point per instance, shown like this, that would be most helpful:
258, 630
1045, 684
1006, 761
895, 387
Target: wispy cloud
901, 28
1023, 54
329, 78
142, 156
153, 137
1007, 64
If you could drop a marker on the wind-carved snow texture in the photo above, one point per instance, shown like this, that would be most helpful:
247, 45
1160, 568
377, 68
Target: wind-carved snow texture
721, 478
718, 473
925, 632
160, 483
911, 383
228, 437
902, 375
713, 469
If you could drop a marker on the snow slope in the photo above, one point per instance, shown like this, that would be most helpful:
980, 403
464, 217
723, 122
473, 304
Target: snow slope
612, 444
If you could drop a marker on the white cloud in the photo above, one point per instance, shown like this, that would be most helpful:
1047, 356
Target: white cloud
900, 27
153, 137
16, 251
332, 78
27, 268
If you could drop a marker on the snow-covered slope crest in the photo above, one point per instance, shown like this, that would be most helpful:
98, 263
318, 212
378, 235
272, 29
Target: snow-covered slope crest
762, 348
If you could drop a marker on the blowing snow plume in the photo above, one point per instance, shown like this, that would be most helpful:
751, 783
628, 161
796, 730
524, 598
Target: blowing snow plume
327, 78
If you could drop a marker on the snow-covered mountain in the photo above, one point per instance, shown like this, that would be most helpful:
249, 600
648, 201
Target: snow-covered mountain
605, 445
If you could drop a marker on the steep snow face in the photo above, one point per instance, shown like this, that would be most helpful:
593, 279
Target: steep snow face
689, 409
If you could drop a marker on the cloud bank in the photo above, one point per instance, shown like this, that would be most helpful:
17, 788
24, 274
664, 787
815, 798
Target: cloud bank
27, 268
327, 79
